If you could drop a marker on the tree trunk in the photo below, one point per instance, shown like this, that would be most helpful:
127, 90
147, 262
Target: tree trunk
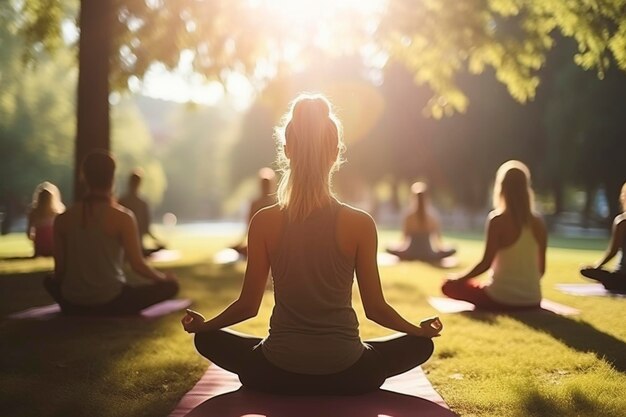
92, 105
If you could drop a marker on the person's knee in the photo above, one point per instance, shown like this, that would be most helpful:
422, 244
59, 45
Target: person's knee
204, 341
170, 288
449, 288
423, 345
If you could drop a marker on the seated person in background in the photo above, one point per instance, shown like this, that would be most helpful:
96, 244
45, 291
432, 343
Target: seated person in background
515, 249
46, 206
314, 244
614, 281
422, 232
265, 199
91, 240
132, 201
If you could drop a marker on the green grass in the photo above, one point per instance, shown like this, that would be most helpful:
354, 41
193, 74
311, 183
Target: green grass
525, 364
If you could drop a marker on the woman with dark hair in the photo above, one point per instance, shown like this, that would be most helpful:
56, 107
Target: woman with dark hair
92, 239
313, 244
515, 249
422, 232
614, 281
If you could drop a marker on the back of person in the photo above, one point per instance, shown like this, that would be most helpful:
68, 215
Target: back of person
313, 328
44, 237
94, 256
515, 270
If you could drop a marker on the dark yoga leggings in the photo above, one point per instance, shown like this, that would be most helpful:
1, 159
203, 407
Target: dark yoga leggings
382, 358
612, 281
130, 301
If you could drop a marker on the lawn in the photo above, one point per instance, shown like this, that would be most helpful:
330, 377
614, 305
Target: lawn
525, 364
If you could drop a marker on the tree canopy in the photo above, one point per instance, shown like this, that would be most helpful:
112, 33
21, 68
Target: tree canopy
435, 39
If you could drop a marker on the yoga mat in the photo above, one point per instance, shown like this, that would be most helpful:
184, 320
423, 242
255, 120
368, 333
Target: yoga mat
386, 259
587, 290
219, 394
165, 255
449, 305
53, 310
226, 256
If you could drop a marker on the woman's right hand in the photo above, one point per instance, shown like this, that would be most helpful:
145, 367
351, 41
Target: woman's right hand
431, 327
193, 321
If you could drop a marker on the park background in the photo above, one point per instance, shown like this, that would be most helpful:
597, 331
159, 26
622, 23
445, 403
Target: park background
434, 90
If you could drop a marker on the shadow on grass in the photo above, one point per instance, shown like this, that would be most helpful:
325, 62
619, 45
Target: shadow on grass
73, 366
17, 258
535, 402
578, 335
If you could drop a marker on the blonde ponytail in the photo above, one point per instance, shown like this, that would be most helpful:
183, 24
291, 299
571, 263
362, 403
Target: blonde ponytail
310, 149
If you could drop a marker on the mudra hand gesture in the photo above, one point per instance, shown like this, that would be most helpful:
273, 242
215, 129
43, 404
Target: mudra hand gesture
193, 322
431, 327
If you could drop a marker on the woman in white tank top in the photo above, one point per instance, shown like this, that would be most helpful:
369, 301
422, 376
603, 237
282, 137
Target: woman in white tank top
515, 249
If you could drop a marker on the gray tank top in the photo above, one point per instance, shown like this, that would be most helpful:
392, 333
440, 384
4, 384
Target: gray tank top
93, 270
313, 328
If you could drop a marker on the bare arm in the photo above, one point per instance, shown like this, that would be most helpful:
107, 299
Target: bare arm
491, 248
541, 235
249, 301
132, 249
29, 227
376, 307
617, 237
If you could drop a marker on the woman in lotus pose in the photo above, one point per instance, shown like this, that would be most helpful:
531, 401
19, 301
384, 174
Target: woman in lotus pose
515, 249
46, 206
614, 281
313, 244
91, 240
422, 232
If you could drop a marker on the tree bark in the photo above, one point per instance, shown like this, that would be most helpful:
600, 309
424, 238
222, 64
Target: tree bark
92, 105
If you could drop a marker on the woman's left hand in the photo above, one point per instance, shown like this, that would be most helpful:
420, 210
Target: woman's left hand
193, 322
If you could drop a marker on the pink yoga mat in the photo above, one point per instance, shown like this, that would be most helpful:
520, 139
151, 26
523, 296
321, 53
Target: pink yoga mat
219, 394
53, 310
449, 305
165, 255
587, 290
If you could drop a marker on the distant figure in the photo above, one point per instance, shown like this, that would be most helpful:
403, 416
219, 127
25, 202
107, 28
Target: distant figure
132, 201
92, 239
265, 199
46, 206
313, 244
515, 249
614, 281
422, 232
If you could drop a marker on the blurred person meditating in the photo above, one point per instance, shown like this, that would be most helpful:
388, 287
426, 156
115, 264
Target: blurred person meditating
614, 281
92, 239
133, 201
422, 231
266, 198
313, 244
46, 206
515, 248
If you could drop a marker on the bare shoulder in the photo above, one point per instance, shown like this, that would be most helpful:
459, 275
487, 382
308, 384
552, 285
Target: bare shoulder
356, 219
120, 212
538, 222
267, 217
496, 218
